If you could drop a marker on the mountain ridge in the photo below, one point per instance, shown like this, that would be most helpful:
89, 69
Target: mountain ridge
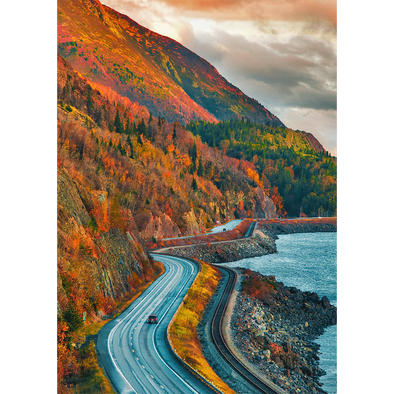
153, 70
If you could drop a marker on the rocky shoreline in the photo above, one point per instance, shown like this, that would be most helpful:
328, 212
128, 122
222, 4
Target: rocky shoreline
261, 243
275, 227
273, 331
276, 333
223, 252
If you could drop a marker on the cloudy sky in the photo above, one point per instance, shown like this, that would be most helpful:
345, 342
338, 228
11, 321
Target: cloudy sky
283, 53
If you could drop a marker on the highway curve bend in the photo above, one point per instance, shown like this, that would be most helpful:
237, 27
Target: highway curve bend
136, 355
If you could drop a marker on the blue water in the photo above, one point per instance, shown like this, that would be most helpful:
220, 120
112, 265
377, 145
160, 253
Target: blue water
307, 261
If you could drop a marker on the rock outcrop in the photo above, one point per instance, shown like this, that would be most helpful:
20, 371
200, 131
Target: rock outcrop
91, 260
156, 226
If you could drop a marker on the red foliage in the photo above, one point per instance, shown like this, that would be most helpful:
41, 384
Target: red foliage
168, 210
104, 303
278, 201
235, 233
256, 286
275, 348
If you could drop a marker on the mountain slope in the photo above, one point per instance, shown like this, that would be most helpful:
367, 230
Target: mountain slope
292, 163
172, 81
169, 181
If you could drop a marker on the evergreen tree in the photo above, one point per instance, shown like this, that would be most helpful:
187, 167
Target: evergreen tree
128, 129
141, 128
194, 184
130, 144
121, 149
193, 154
89, 101
200, 169
174, 133
73, 319
118, 123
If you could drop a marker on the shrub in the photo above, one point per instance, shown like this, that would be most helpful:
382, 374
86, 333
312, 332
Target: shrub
72, 317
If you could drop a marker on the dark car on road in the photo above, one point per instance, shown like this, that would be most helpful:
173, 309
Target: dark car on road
152, 319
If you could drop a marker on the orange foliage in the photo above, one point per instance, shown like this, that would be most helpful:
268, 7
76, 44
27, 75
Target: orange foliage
100, 212
275, 348
237, 232
183, 158
277, 199
133, 280
183, 330
252, 174
168, 210
256, 286
170, 148
104, 303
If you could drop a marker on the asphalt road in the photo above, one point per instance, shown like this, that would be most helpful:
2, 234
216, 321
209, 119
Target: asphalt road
135, 354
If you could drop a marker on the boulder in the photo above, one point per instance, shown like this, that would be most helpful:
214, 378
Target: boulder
325, 302
306, 370
267, 354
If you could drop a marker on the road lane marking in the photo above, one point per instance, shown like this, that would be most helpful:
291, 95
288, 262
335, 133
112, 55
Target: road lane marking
177, 295
160, 292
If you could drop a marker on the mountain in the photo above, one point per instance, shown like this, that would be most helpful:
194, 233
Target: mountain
109, 48
130, 170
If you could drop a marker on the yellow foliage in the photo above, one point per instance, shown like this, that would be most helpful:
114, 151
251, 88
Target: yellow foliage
183, 330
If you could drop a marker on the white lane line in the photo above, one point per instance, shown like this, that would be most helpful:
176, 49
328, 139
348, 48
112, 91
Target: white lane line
167, 282
116, 365
154, 331
111, 334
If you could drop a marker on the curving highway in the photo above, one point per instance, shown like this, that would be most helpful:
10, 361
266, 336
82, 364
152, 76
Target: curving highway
136, 355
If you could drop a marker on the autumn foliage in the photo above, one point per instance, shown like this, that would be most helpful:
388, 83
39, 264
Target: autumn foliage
183, 329
257, 286
142, 167
119, 167
236, 233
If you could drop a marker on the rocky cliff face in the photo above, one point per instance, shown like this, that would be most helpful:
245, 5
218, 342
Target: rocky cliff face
92, 262
156, 226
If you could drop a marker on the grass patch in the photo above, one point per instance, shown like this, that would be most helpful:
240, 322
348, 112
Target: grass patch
183, 328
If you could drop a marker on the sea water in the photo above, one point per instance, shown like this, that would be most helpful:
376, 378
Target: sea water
307, 261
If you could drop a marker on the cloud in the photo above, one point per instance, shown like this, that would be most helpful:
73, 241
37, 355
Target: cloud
281, 53
299, 72
283, 10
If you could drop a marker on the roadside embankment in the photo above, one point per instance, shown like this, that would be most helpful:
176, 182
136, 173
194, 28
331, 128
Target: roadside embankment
182, 330
230, 246
237, 232
223, 252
